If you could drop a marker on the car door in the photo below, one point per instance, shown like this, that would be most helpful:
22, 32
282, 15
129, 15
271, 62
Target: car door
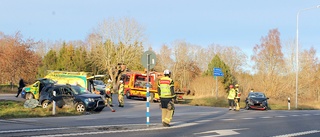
35, 89
67, 95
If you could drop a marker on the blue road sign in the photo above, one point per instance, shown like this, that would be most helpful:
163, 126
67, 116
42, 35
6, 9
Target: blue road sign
217, 72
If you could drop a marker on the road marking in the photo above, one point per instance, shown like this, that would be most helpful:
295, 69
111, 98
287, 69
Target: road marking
280, 116
294, 115
224, 132
203, 121
299, 133
265, 117
119, 131
305, 114
227, 119
316, 114
31, 130
248, 118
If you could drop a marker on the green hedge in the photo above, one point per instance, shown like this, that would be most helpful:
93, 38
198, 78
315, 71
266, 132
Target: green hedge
5, 88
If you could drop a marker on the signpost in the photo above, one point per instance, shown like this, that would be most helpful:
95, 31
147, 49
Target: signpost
217, 73
148, 60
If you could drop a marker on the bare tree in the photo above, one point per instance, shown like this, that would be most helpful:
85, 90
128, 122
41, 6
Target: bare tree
115, 45
164, 60
269, 61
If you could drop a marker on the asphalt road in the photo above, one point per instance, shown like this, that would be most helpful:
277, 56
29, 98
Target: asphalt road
193, 121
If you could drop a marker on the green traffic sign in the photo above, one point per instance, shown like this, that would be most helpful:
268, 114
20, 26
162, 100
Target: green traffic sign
148, 59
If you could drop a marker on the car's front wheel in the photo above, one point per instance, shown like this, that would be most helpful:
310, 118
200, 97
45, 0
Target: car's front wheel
80, 107
29, 96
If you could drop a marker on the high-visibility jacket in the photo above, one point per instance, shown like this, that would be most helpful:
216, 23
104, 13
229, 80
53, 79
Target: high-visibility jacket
232, 94
166, 87
238, 93
121, 89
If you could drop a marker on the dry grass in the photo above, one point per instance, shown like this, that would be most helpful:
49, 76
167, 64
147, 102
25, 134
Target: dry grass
15, 109
223, 102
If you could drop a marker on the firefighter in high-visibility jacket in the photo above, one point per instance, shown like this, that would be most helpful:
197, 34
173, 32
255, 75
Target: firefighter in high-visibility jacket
109, 92
167, 95
238, 95
121, 94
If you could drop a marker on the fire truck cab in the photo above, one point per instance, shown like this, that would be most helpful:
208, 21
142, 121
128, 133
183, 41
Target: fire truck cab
136, 83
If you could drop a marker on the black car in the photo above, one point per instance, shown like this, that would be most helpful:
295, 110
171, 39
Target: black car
71, 95
257, 100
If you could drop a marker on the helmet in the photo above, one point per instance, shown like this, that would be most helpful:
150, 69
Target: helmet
166, 72
237, 85
121, 81
231, 86
109, 80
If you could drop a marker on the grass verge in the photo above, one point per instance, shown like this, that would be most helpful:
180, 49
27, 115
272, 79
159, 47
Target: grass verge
14, 109
222, 102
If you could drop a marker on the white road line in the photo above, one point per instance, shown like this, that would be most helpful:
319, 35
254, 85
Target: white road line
265, 117
248, 118
281, 116
31, 130
203, 121
227, 119
305, 114
294, 115
316, 114
299, 133
119, 131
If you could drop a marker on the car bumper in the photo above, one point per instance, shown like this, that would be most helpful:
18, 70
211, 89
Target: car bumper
95, 105
258, 107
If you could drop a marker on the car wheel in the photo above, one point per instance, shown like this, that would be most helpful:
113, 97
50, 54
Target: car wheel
128, 94
45, 104
99, 109
80, 107
29, 96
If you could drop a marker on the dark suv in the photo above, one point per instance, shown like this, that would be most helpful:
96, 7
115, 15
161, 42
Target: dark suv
71, 95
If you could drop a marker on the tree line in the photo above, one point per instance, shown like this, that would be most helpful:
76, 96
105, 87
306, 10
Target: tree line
117, 45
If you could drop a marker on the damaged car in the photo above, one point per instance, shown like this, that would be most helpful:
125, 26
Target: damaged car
71, 95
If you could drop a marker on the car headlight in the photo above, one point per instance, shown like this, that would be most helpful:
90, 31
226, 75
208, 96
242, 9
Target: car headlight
90, 100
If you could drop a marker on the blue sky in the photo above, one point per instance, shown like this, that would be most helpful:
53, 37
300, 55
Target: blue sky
239, 23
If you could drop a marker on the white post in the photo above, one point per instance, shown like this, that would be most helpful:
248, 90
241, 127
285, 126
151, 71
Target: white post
148, 92
288, 103
54, 104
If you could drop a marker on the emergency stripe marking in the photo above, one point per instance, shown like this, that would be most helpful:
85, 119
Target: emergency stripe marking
164, 82
299, 133
119, 131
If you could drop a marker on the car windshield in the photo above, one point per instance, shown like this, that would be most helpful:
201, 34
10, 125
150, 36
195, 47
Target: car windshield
79, 90
257, 95
48, 81
98, 82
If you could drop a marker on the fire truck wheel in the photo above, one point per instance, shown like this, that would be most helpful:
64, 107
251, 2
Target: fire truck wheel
128, 94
